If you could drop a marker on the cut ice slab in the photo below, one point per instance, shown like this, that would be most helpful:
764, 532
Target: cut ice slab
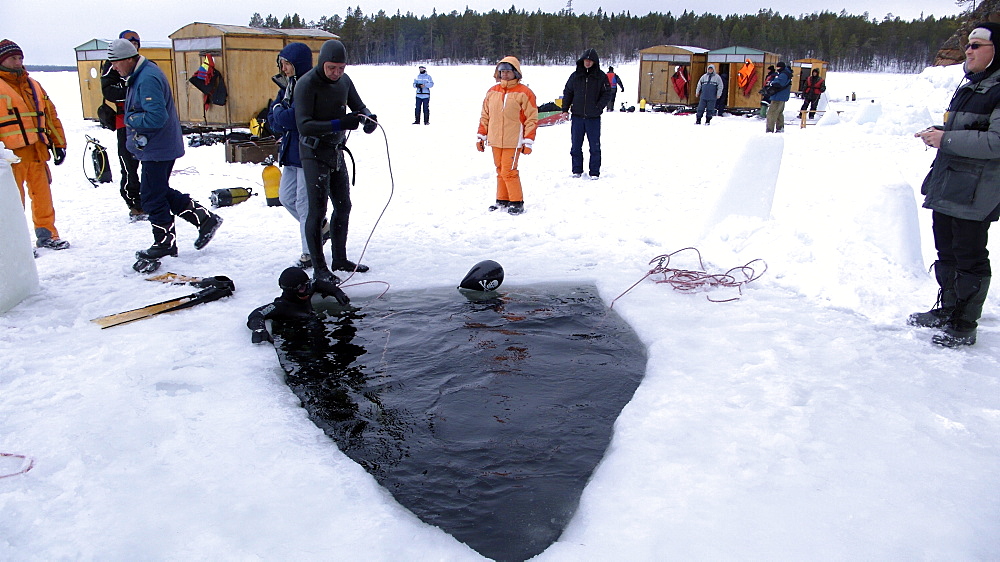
485, 418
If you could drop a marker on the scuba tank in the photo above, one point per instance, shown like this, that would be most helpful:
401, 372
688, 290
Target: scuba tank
272, 180
230, 196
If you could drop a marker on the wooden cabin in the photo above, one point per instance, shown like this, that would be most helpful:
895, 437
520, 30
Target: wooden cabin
657, 67
92, 54
802, 68
729, 61
246, 59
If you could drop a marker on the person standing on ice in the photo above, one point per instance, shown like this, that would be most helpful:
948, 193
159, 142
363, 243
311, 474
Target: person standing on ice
708, 92
154, 138
113, 88
963, 191
780, 88
322, 97
30, 127
294, 60
585, 97
615, 82
507, 123
423, 84
815, 86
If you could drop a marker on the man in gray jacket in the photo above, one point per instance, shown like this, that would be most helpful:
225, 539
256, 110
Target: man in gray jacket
709, 89
963, 191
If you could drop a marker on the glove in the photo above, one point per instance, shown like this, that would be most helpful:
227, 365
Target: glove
525, 149
330, 289
481, 146
349, 121
60, 155
261, 335
371, 123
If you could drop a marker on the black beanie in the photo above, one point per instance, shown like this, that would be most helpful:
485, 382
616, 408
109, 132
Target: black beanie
292, 278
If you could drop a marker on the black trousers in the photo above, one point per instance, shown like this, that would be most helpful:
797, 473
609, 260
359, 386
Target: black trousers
130, 173
327, 179
962, 243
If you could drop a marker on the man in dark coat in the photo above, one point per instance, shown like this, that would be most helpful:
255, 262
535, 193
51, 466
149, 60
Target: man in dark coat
585, 96
963, 190
114, 89
815, 86
322, 98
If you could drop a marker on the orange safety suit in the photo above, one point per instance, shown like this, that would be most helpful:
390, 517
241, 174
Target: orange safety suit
29, 126
508, 123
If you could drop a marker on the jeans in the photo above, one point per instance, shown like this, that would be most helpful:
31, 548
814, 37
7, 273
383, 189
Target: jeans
591, 128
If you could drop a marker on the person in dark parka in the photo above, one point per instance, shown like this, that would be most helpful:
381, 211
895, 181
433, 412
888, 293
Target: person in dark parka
585, 96
963, 191
322, 98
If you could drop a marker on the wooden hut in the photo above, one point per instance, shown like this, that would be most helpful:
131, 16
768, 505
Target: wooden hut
802, 68
92, 54
657, 67
245, 58
729, 62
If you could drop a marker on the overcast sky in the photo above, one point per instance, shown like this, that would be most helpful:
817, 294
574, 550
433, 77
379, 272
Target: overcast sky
50, 38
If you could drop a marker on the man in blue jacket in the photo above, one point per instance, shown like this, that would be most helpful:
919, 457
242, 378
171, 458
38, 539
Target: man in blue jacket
585, 96
423, 84
294, 60
781, 88
154, 137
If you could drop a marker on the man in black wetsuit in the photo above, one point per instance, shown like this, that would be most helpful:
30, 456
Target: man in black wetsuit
294, 303
322, 98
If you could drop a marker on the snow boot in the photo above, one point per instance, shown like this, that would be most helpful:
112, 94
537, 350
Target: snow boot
500, 204
961, 327
697, 121
164, 244
945, 303
46, 240
515, 208
204, 220
349, 266
304, 262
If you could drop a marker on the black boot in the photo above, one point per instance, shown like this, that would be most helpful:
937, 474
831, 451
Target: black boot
515, 208
961, 327
164, 243
338, 241
204, 220
945, 304
500, 204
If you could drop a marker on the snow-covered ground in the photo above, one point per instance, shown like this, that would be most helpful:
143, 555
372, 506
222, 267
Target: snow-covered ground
803, 421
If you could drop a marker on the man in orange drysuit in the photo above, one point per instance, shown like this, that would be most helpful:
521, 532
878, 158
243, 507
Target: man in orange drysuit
30, 127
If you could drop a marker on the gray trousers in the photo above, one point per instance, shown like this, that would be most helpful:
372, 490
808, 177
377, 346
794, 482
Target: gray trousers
294, 197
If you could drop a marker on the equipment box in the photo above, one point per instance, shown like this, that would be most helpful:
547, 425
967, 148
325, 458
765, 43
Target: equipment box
251, 151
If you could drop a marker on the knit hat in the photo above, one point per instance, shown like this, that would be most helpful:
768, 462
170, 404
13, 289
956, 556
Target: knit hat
295, 280
121, 49
131, 36
9, 48
780, 65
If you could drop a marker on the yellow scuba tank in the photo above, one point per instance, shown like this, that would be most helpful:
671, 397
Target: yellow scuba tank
272, 180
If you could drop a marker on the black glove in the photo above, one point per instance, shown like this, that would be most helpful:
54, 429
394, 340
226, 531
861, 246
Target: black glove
371, 123
261, 335
330, 289
349, 121
60, 155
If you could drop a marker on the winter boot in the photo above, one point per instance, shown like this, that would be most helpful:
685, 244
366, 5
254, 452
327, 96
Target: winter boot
945, 304
516, 207
500, 204
697, 121
46, 240
349, 266
204, 220
164, 243
961, 327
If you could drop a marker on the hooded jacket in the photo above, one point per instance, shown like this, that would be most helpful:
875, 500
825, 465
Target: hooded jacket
153, 130
964, 181
710, 85
282, 117
510, 112
319, 101
27, 117
587, 91
783, 80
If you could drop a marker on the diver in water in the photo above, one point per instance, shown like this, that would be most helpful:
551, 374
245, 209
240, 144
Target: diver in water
294, 303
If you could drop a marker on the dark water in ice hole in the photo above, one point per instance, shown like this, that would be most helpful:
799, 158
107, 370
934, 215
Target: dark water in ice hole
485, 418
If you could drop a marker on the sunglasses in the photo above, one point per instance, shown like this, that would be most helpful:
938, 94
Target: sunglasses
975, 46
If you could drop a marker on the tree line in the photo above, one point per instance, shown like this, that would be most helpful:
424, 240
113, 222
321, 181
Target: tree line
848, 42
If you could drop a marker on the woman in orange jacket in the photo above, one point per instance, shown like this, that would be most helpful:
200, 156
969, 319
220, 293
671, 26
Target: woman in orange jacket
508, 123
